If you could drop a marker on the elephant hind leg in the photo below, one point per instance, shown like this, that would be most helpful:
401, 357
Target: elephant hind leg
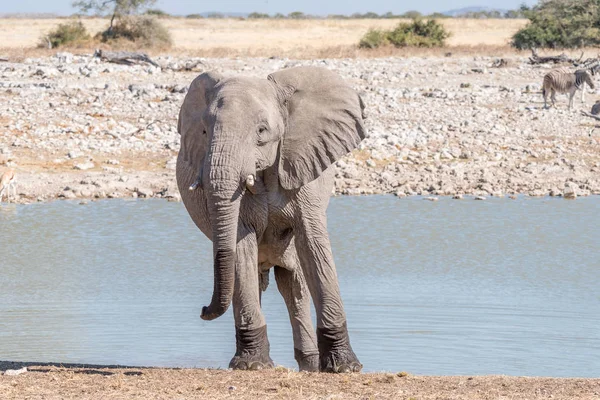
292, 286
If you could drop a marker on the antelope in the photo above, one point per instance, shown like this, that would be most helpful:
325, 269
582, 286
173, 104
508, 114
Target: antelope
7, 181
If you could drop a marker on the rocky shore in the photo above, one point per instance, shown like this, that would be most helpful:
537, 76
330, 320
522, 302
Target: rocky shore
73, 126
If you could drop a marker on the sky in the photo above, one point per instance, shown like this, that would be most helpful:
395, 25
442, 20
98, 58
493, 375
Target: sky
316, 7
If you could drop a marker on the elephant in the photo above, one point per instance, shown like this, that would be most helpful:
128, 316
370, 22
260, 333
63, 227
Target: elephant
254, 172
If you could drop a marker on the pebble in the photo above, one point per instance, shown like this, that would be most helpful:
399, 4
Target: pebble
428, 134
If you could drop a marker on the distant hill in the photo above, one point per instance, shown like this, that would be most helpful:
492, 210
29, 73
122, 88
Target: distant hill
461, 11
28, 15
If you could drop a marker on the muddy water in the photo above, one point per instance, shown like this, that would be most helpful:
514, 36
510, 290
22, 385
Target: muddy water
451, 287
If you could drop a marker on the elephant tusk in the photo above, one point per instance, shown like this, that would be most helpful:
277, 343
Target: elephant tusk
194, 186
197, 183
250, 184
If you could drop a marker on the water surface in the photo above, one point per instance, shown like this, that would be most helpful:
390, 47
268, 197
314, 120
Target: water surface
451, 287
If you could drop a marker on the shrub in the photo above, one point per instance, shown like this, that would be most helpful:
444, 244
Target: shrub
337, 16
560, 23
257, 15
417, 33
194, 16
71, 33
437, 15
145, 31
373, 39
157, 13
368, 15
297, 15
412, 14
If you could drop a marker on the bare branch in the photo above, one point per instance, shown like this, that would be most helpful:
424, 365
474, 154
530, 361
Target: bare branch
124, 57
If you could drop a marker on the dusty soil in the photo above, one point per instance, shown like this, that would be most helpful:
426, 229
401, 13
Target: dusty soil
53, 383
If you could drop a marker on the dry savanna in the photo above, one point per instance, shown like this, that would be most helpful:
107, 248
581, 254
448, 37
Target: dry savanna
77, 127
272, 37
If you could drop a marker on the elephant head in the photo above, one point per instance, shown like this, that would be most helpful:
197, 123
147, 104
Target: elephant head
299, 121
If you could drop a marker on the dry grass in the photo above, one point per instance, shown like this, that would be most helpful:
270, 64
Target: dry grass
301, 39
290, 38
53, 383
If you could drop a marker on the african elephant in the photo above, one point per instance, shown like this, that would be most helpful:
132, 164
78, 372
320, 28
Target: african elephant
253, 172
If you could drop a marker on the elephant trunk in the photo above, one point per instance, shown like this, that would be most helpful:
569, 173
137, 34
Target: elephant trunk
224, 191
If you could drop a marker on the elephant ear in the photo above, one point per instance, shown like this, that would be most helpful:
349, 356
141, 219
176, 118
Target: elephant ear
190, 125
325, 122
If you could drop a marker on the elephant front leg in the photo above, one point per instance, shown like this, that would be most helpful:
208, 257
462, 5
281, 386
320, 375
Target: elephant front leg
252, 344
292, 286
314, 249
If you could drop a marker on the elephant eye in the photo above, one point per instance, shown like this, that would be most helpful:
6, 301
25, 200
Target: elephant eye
262, 129
204, 131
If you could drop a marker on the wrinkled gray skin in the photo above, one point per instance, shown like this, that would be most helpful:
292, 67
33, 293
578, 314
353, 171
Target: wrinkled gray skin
257, 152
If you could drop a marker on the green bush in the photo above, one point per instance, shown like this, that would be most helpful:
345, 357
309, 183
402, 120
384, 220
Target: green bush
194, 16
71, 33
297, 15
257, 15
368, 15
412, 14
437, 15
560, 24
417, 33
157, 13
373, 38
144, 31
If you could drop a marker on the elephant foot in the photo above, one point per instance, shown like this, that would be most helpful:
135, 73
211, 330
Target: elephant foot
307, 362
335, 353
252, 350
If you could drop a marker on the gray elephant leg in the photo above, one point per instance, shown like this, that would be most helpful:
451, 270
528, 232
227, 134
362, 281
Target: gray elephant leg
292, 286
252, 344
314, 249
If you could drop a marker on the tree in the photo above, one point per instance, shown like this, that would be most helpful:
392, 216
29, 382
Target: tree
412, 14
296, 15
560, 23
257, 15
117, 8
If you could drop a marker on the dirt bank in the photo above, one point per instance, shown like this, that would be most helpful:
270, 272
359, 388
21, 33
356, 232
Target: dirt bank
53, 383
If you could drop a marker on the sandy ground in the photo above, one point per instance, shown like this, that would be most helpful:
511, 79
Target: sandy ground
93, 382
252, 36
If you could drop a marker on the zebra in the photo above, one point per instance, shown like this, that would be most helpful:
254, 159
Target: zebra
592, 65
560, 81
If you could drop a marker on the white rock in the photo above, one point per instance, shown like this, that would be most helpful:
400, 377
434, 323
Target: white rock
84, 166
15, 372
